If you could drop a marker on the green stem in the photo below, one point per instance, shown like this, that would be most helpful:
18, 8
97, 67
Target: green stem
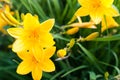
74, 69
108, 56
93, 60
58, 74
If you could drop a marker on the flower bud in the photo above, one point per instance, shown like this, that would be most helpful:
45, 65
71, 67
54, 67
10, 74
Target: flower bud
72, 31
61, 53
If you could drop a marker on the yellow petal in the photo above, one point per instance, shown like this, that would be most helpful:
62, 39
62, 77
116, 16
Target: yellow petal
25, 67
11, 18
111, 23
38, 53
2, 22
84, 2
3, 16
107, 3
30, 22
49, 52
24, 55
112, 11
82, 12
47, 25
15, 32
72, 19
96, 17
48, 66
37, 73
7, 8
18, 46
46, 40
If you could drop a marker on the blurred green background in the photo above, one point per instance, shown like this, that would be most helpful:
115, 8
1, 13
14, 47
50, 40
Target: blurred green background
93, 60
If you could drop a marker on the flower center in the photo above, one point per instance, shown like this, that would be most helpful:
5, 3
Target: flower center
34, 34
96, 4
34, 60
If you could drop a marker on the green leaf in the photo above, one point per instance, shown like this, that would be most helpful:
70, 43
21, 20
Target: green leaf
115, 67
8, 67
74, 69
56, 4
91, 57
92, 75
56, 75
50, 8
25, 3
58, 36
108, 38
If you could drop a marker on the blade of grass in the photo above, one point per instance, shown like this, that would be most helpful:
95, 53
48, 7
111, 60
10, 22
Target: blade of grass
64, 12
58, 36
116, 68
29, 1
71, 5
74, 69
47, 75
92, 75
25, 3
8, 67
109, 48
116, 60
15, 75
108, 38
50, 8
91, 57
38, 9
57, 7
57, 75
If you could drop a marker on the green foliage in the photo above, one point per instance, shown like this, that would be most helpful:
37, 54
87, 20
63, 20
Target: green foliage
88, 60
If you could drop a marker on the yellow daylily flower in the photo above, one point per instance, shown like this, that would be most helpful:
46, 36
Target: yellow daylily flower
96, 9
108, 22
32, 34
36, 64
